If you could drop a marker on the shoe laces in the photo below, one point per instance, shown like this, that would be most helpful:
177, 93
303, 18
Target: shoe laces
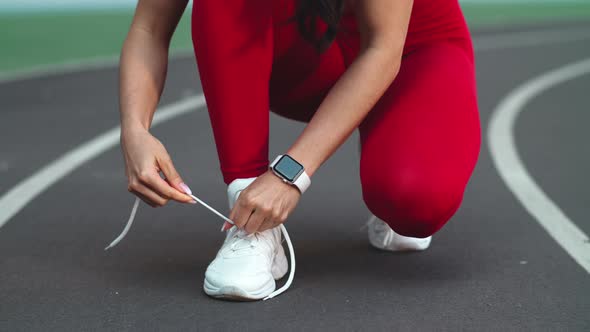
250, 239
241, 240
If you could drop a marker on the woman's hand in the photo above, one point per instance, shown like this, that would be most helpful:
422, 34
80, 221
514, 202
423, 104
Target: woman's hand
264, 204
145, 157
142, 72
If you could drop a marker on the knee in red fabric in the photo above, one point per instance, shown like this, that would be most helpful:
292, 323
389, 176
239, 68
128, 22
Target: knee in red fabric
412, 204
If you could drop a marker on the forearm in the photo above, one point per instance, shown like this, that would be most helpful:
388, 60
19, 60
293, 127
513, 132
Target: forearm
345, 106
143, 66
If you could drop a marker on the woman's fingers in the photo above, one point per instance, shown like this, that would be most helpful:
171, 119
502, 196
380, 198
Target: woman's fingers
265, 204
240, 212
174, 179
162, 188
255, 220
275, 218
268, 224
250, 213
145, 200
145, 156
147, 195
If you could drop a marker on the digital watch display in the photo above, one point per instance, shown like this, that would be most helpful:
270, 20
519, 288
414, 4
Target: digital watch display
290, 171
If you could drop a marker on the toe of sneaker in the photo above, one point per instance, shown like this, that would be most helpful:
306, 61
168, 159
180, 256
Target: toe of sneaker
242, 284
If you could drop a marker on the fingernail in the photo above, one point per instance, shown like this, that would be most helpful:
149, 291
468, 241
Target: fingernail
193, 202
186, 188
226, 226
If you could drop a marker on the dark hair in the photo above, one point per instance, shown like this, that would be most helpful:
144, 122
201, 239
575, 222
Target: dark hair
306, 15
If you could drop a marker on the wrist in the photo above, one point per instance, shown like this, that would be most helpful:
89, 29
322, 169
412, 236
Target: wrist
128, 132
304, 159
133, 126
135, 117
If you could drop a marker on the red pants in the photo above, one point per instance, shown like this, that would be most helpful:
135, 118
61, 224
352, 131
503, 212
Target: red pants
421, 141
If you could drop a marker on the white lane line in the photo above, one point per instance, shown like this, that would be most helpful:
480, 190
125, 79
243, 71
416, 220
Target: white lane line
481, 43
512, 169
24, 192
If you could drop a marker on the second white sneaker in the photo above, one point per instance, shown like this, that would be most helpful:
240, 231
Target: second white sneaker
247, 265
381, 236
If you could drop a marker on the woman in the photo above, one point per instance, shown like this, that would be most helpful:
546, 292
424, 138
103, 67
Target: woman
402, 72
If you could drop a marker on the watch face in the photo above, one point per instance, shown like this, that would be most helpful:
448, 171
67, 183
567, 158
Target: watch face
288, 167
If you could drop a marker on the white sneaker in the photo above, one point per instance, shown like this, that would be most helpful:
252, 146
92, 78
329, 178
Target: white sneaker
247, 265
381, 236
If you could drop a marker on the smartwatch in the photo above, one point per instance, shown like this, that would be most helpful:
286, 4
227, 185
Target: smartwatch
290, 171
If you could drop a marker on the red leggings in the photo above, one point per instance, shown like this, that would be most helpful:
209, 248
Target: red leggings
420, 143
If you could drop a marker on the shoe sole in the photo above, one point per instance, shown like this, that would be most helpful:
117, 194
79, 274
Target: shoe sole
233, 293
416, 246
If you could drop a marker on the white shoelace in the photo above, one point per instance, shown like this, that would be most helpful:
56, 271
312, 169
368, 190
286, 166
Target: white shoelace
243, 240
283, 230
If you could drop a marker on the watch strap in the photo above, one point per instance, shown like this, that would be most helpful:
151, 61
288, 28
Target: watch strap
302, 182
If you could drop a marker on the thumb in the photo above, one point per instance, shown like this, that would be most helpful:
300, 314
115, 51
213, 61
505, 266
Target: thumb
172, 176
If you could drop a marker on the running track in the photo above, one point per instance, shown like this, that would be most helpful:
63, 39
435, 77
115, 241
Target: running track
514, 257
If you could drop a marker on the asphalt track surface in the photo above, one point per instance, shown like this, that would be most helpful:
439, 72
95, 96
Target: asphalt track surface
493, 267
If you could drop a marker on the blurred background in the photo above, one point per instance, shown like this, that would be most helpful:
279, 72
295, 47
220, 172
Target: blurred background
41, 32
63, 194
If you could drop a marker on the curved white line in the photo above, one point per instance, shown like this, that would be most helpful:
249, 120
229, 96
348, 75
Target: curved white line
16, 199
512, 169
25, 191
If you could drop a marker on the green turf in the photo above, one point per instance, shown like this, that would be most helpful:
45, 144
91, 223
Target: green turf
34, 40
30, 40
